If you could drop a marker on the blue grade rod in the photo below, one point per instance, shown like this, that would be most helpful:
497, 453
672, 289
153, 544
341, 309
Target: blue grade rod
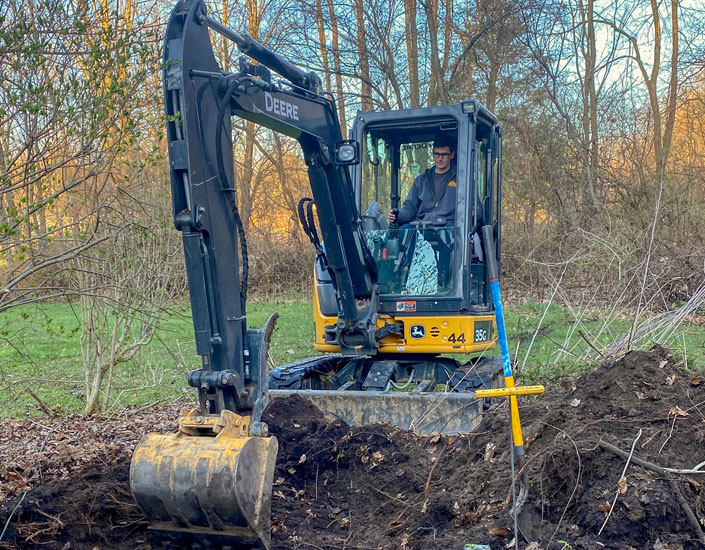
517, 438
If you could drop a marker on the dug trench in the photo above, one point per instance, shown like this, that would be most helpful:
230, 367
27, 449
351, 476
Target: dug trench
339, 487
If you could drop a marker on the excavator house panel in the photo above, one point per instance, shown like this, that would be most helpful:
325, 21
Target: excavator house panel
431, 334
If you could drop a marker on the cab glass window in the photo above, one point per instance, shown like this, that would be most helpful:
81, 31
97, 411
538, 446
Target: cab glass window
414, 257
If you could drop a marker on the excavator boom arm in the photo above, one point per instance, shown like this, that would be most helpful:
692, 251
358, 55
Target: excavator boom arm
200, 99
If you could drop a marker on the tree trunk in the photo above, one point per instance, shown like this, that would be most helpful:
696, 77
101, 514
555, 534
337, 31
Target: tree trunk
336, 65
438, 93
225, 41
652, 85
672, 90
469, 66
412, 52
447, 33
322, 42
365, 82
245, 185
491, 97
435, 85
589, 118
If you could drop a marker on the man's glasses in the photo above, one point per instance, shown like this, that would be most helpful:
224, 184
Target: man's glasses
441, 155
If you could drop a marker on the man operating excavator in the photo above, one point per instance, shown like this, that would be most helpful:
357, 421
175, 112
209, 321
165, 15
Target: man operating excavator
432, 196
431, 203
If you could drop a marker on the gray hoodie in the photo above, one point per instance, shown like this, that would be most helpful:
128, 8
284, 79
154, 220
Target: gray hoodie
422, 204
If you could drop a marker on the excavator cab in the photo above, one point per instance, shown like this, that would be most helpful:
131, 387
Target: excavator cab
424, 258
431, 273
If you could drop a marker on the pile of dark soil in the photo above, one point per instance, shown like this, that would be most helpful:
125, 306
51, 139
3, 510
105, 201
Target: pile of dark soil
339, 487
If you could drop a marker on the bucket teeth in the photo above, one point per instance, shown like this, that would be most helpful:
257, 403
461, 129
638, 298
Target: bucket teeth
211, 488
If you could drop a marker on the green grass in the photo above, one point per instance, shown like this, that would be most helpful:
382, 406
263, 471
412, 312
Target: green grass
564, 346
40, 350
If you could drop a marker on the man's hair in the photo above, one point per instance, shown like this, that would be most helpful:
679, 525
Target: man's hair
444, 140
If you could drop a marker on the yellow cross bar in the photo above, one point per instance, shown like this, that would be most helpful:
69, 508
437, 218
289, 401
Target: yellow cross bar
506, 392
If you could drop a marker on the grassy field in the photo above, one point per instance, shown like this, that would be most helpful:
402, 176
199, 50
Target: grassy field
40, 351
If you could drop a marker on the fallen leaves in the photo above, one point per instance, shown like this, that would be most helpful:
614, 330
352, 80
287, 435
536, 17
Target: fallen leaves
575, 403
433, 443
32, 453
489, 452
374, 459
468, 518
364, 454
377, 459
677, 411
622, 485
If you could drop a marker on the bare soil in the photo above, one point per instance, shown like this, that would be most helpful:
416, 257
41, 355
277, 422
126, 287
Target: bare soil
338, 487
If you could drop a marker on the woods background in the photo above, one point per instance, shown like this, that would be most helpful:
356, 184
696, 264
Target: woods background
602, 104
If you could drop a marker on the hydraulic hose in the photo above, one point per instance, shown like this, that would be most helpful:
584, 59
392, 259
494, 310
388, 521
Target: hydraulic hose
230, 191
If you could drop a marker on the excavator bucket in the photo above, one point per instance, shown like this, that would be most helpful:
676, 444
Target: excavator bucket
210, 483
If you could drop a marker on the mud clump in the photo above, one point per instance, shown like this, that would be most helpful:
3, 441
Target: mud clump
377, 487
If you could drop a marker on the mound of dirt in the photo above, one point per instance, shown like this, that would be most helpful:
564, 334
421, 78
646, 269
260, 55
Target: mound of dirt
376, 487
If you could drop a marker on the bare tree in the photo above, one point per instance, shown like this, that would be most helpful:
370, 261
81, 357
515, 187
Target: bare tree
335, 37
412, 52
492, 49
437, 90
65, 95
590, 134
126, 285
663, 117
562, 40
320, 25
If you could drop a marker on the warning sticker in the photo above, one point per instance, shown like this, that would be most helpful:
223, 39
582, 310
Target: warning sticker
404, 307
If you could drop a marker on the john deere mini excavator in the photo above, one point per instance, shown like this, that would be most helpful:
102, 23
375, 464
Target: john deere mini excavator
389, 302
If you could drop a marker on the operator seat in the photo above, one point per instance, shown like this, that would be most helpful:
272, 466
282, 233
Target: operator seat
373, 219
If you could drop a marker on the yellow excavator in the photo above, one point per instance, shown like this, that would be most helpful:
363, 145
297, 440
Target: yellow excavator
392, 303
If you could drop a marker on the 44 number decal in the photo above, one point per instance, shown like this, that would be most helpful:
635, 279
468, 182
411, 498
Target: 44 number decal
482, 332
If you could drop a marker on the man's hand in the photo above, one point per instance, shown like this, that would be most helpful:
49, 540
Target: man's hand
391, 216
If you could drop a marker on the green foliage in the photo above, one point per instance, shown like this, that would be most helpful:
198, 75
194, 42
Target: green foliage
340, 457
